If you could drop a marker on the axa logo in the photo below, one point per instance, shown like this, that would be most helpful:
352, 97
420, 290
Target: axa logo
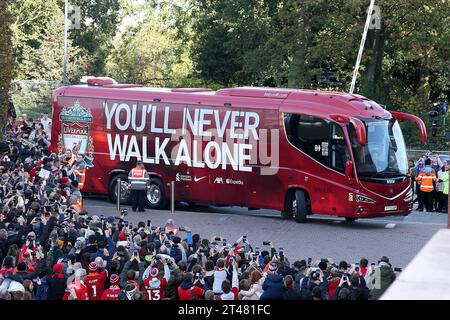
218, 180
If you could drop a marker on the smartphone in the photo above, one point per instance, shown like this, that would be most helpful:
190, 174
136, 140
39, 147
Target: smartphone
148, 223
266, 243
244, 238
124, 212
224, 242
162, 230
126, 223
153, 228
309, 261
189, 239
257, 251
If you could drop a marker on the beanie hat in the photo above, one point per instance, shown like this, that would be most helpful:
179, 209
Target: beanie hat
93, 267
58, 268
428, 162
154, 272
122, 236
273, 268
8, 262
114, 279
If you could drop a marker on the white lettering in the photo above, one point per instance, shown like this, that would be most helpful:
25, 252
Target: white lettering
118, 148
109, 114
183, 154
123, 127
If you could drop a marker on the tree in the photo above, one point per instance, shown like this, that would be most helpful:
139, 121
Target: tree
46, 61
149, 51
6, 59
99, 20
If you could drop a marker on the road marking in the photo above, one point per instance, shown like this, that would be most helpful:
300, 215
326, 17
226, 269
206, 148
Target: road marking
390, 226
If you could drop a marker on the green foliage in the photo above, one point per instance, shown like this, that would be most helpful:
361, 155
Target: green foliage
99, 23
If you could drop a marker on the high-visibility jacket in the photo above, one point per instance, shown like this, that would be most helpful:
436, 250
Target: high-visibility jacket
427, 178
138, 179
78, 206
445, 182
80, 175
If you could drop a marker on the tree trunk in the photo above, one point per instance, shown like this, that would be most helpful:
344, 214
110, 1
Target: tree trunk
423, 90
6, 60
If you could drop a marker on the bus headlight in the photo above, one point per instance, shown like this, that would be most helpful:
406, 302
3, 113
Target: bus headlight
360, 198
408, 196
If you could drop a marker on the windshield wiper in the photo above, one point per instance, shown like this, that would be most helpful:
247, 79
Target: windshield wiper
391, 174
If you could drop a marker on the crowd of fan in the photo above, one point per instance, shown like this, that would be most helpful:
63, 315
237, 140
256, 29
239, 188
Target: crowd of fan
432, 195
52, 250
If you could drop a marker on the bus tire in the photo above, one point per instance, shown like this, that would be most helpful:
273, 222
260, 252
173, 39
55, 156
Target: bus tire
156, 198
299, 206
287, 212
126, 196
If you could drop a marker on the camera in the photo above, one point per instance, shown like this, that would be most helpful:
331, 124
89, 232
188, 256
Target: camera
398, 269
124, 212
244, 238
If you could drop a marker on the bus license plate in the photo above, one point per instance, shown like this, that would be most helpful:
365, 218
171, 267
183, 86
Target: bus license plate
390, 208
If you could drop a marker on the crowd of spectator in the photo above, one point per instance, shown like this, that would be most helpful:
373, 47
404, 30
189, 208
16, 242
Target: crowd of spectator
51, 249
430, 175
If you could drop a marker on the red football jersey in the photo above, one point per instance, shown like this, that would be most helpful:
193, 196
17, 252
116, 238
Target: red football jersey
95, 283
111, 294
154, 288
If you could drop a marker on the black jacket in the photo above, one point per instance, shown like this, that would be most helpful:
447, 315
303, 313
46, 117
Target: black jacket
56, 287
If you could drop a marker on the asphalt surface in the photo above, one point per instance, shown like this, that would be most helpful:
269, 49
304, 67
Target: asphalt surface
399, 238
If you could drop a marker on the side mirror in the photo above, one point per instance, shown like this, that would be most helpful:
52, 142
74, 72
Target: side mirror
349, 169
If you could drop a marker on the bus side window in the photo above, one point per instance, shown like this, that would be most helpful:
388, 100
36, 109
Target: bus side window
339, 151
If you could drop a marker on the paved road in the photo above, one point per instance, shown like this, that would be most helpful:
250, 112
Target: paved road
400, 238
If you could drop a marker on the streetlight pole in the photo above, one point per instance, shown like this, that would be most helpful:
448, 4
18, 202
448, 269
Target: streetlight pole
66, 9
361, 46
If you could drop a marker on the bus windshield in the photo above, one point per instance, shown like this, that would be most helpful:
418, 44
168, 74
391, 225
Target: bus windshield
384, 155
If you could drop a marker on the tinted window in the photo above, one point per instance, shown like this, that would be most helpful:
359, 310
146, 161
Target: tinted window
321, 139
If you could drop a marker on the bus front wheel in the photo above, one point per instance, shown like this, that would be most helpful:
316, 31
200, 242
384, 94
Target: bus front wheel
299, 206
125, 196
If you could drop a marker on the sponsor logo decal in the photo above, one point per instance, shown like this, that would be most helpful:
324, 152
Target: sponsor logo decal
183, 177
75, 136
350, 196
231, 181
199, 179
218, 180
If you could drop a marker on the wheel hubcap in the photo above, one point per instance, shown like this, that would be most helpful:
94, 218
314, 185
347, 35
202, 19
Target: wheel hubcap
153, 194
124, 192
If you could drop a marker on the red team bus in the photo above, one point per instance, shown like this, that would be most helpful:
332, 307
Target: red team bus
301, 152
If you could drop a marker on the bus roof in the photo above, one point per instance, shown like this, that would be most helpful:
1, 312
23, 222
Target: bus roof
325, 103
